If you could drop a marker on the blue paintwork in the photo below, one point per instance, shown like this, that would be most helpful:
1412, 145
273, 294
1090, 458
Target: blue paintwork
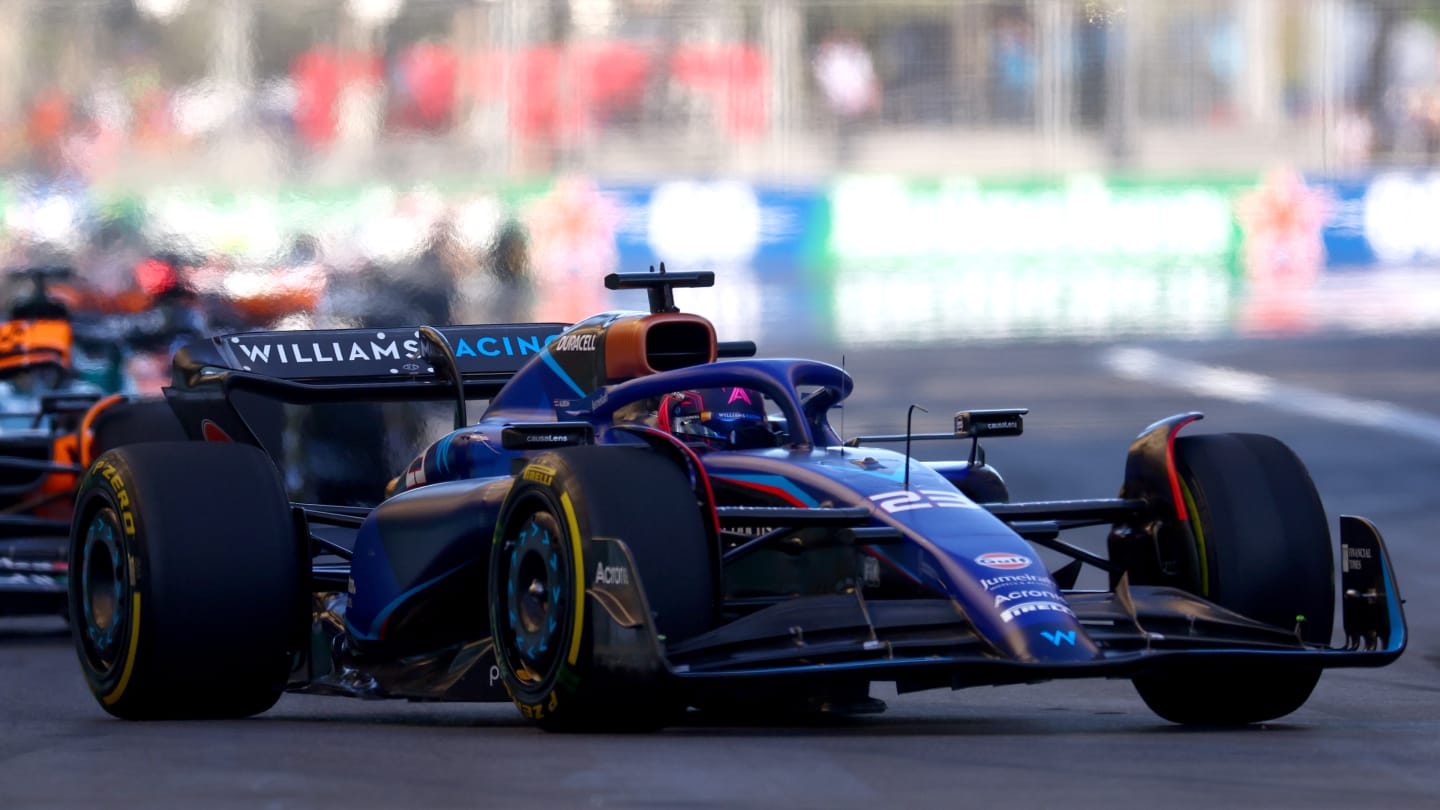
375, 590
953, 547
948, 536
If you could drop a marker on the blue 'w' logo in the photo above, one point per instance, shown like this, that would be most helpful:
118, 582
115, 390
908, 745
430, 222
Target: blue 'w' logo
1057, 636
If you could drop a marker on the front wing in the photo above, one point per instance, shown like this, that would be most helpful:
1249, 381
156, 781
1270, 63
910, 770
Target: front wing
926, 643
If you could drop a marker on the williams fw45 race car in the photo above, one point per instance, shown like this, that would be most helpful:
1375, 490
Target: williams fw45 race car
645, 520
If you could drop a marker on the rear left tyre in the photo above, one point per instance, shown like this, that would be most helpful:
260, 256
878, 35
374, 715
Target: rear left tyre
186, 588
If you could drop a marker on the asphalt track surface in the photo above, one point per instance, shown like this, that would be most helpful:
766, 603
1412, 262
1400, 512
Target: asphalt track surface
1365, 423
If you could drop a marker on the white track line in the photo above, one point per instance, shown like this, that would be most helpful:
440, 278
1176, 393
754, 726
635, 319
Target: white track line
1241, 386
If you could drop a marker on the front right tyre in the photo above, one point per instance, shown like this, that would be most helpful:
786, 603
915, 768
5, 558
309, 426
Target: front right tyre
1264, 551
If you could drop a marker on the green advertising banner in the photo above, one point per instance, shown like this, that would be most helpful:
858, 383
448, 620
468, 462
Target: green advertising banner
898, 220
1085, 256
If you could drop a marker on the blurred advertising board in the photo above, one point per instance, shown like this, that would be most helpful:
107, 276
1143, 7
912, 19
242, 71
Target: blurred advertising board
1390, 219
761, 240
1084, 256
886, 219
1358, 254
728, 223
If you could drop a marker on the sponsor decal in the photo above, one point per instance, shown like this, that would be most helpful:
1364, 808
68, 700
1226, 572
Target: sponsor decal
584, 342
749, 531
1059, 637
1003, 561
504, 346
259, 351
1357, 555
539, 473
611, 575
1009, 614
331, 352
538, 711
1010, 580
1012, 596
122, 499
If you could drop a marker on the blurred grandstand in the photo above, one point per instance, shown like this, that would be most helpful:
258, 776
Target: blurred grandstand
248, 92
296, 162
963, 170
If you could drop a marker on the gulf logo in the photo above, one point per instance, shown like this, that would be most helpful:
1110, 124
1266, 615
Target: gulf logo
1003, 561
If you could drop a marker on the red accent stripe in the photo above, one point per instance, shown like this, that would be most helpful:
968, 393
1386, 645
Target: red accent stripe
1175, 492
704, 477
776, 491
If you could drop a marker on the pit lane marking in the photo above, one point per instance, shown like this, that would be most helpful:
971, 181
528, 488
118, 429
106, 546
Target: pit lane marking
1247, 387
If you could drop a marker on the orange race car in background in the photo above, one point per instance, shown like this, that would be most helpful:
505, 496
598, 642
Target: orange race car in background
52, 424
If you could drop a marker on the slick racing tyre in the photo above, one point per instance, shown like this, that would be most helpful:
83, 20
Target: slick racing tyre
186, 593
135, 422
1263, 547
553, 572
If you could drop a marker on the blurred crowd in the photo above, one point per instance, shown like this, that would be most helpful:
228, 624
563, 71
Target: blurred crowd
330, 98
527, 87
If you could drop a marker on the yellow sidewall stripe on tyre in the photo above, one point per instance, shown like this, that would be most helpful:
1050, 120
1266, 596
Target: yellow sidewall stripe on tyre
577, 629
1199, 540
119, 691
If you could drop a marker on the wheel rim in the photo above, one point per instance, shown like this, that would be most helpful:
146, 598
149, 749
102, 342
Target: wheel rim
536, 598
104, 590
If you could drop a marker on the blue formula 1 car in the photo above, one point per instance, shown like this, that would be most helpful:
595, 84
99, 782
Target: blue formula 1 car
646, 520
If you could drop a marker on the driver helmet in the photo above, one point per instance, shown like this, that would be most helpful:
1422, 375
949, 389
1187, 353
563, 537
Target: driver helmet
726, 417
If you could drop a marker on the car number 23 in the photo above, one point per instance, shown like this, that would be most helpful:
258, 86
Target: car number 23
904, 500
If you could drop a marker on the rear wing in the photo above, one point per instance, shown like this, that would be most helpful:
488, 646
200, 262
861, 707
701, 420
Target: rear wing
344, 365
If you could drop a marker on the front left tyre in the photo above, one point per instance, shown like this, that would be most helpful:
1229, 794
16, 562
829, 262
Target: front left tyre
548, 578
186, 588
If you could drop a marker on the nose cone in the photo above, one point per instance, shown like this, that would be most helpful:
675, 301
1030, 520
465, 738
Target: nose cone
1053, 641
